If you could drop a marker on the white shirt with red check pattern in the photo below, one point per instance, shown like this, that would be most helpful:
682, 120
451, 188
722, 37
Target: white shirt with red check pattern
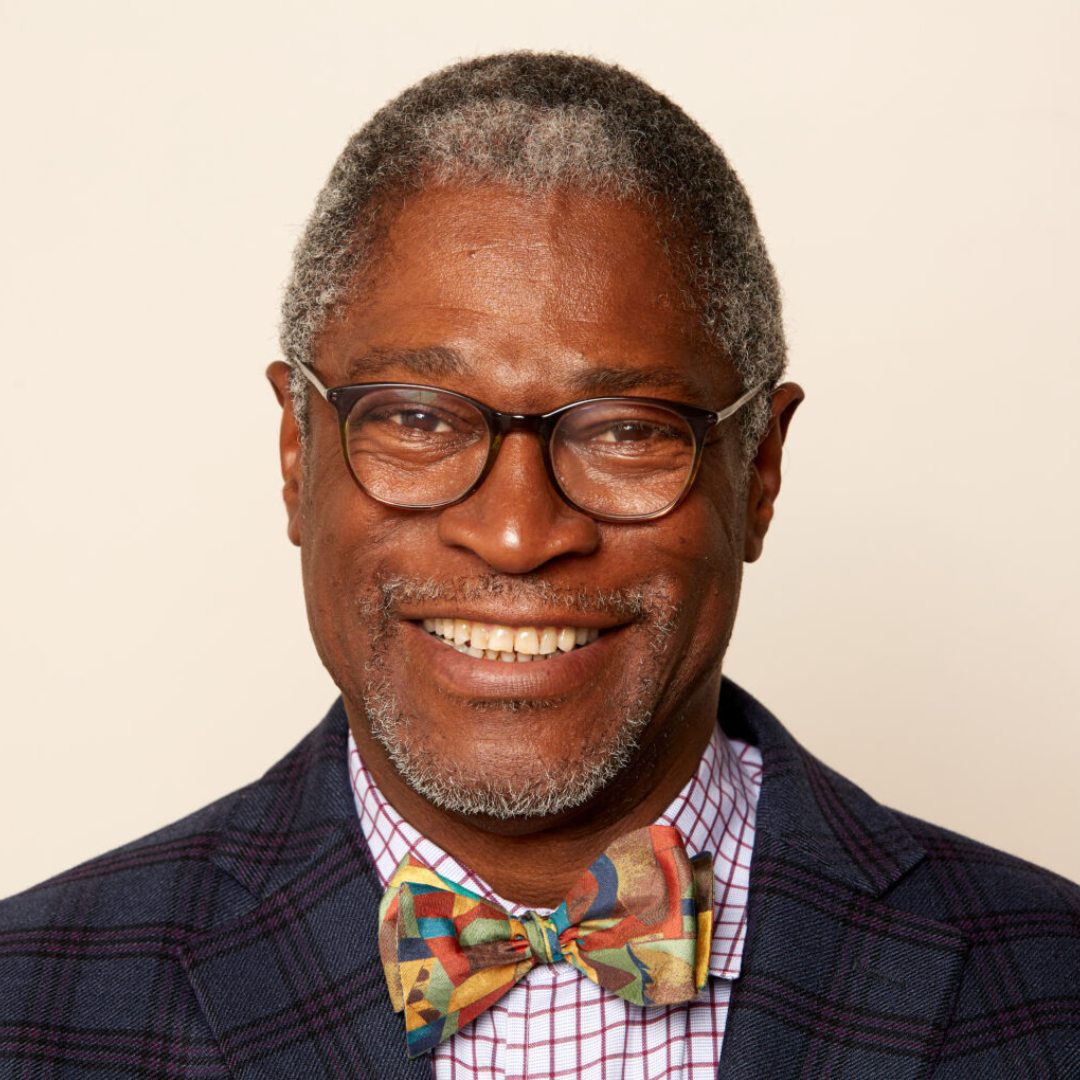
556, 1023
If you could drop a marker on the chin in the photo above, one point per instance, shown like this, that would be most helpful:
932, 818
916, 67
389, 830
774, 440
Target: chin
512, 783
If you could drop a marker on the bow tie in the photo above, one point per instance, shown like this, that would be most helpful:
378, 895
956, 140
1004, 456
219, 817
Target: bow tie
638, 922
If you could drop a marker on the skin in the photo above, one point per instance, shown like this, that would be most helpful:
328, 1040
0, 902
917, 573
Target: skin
535, 293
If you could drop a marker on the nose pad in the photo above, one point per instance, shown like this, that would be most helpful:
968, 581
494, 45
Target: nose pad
516, 521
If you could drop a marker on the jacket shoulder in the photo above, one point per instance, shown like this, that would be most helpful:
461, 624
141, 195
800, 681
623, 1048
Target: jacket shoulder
89, 976
228, 832
139, 869
1001, 935
92, 977
965, 878
1016, 1005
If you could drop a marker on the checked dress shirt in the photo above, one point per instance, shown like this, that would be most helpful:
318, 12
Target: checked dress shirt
557, 1024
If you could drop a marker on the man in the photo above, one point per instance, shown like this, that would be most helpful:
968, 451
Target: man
532, 415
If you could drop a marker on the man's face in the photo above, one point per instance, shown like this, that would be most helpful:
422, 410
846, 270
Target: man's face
533, 301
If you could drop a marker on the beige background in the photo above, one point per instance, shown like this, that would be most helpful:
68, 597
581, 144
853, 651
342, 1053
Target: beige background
915, 169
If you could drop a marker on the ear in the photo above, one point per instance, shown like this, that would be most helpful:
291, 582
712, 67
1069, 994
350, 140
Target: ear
764, 485
289, 447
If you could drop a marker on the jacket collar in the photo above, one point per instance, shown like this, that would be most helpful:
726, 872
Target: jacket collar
837, 979
292, 984
297, 809
820, 820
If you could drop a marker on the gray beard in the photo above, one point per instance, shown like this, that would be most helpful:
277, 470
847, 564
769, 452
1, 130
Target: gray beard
554, 790
449, 788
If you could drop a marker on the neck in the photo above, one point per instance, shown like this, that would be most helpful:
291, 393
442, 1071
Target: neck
535, 861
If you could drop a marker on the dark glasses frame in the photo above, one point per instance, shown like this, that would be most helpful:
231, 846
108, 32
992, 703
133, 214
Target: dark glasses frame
500, 424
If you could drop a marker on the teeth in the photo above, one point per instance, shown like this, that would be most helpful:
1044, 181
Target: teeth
509, 643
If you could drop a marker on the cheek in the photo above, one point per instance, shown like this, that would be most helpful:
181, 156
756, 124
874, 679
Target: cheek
698, 552
702, 539
342, 537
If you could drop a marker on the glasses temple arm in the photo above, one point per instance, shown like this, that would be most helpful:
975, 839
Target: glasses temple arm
312, 378
735, 406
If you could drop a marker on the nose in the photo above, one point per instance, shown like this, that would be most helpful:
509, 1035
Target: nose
516, 521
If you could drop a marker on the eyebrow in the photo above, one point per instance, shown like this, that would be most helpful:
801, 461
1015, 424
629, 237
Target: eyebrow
429, 362
433, 362
605, 381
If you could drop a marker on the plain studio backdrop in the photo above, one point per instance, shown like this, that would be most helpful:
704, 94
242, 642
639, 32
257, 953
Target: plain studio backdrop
915, 171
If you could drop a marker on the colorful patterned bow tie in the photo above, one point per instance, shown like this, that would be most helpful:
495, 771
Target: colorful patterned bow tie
638, 923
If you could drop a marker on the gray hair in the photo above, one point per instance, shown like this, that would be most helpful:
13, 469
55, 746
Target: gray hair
536, 121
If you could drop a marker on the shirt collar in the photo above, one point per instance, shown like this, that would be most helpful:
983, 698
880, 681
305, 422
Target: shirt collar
715, 812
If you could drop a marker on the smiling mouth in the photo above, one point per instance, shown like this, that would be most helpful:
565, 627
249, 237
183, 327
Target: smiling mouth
511, 644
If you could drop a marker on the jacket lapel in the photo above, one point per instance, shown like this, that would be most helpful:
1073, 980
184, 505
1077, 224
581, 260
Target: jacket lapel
293, 986
836, 981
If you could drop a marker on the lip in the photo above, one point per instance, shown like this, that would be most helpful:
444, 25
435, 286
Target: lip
464, 676
515, 618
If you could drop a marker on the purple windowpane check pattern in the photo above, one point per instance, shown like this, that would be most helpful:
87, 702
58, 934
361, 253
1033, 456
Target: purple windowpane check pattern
556, 1024
242, 941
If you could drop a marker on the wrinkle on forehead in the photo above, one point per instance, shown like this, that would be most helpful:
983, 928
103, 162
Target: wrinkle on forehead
535, 231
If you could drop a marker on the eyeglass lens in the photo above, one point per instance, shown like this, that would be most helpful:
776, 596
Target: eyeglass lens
413, 447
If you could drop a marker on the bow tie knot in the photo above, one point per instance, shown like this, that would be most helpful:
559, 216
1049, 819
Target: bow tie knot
638, 923
539, 936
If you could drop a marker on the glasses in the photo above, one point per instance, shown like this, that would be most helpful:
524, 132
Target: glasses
613, 458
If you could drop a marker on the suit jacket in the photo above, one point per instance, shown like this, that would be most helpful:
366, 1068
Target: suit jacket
241, 942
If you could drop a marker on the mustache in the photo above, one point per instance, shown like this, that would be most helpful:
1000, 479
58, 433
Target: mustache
627, 604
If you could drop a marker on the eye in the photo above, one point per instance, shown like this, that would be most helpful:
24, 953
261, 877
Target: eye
634, 431
404, 419
417, 420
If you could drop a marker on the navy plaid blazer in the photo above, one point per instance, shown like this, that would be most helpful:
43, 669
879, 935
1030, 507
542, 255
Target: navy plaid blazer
241, 942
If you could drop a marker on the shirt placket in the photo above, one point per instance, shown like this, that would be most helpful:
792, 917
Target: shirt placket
517, 1032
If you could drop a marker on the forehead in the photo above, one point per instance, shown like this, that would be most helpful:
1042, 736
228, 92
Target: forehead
529, 296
